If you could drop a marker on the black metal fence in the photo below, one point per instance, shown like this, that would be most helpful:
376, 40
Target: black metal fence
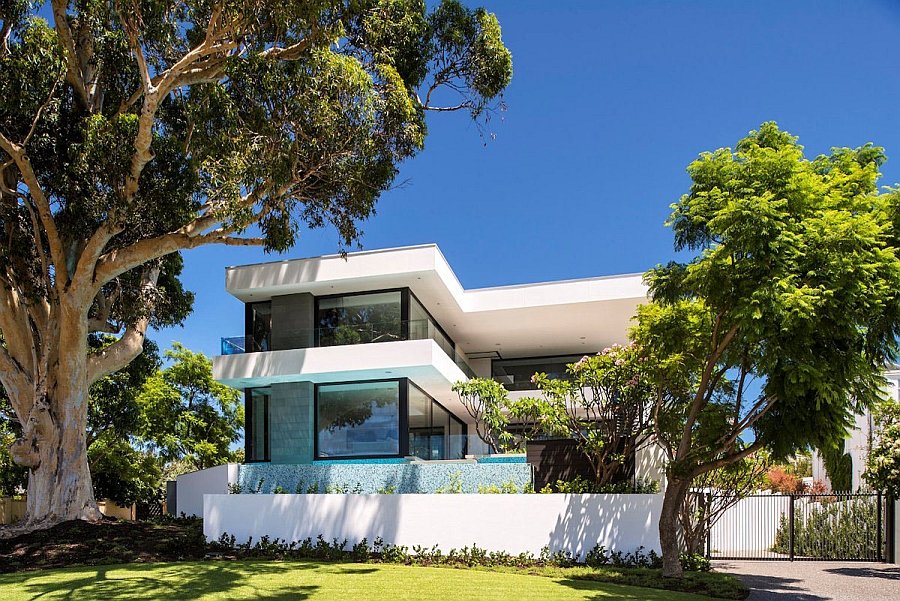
806, 527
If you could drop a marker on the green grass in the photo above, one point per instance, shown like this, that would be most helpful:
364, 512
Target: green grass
269, 580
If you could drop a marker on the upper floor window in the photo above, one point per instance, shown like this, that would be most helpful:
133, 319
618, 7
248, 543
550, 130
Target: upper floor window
359, 318
259, 322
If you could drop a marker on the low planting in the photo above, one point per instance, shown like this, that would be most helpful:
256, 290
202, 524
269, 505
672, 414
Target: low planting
831, 528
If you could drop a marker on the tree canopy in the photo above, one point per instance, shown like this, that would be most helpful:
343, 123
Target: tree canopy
778, 329
883, 462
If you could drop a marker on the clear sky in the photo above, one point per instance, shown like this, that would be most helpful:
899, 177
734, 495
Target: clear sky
608, 104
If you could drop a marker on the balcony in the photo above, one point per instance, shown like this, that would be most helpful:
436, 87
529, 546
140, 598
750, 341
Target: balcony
354, 334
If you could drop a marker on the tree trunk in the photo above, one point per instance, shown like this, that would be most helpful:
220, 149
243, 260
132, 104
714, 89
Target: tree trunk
60, 488
676, 489
54, 435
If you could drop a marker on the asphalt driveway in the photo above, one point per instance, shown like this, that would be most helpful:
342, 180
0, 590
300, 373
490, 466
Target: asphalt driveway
816, 581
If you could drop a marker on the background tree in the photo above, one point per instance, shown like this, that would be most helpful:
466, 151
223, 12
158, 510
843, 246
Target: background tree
130, 132
187, 416
883, 461
604, 406
715, 492
119, 470
782, 322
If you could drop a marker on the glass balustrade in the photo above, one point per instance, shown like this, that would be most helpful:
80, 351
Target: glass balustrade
364, 333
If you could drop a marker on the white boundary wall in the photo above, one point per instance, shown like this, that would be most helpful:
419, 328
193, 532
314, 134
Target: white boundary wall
496, 522
191, 487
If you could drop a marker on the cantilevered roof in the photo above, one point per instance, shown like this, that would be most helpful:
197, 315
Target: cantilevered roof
546, 318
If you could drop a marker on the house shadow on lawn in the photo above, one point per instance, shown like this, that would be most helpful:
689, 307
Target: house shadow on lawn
616, 592
164, 582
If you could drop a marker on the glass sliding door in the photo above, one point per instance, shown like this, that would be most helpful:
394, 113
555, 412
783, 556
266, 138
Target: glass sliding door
419, 423
434, 433
256, 420
358, 420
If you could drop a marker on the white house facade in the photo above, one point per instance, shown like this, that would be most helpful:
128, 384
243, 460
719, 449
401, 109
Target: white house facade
347, 364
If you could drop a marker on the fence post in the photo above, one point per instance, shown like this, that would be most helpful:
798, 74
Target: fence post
709, 529
791, 529
879, 525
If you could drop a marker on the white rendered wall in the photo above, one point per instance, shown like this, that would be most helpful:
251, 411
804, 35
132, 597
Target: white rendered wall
650, 464
191, 487
511, 523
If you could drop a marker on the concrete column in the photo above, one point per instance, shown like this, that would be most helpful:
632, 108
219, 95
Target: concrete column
293, 321
291, 433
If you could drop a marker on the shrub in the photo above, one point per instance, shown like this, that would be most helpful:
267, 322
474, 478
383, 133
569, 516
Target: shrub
831, 528
778, 480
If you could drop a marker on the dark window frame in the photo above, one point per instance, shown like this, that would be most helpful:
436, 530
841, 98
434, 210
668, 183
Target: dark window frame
403, 407
403, 384
249, 418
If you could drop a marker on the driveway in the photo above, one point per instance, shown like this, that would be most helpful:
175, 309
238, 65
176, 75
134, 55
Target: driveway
816, 580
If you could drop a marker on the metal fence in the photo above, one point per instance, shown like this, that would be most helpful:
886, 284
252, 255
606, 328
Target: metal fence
806, 527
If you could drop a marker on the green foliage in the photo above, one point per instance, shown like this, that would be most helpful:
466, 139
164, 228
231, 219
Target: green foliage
794, 291
883, 462
188, 416
603, 405
13, 478
795, 286
580, 486
832, 528
454, 487
487, 401
839, 467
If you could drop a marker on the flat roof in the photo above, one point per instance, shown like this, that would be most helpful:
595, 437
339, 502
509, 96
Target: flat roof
543, 318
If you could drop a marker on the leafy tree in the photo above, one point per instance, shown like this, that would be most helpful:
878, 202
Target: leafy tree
793, 293
131, 132
604, 406
883, 462
120, 471
487, 402
186, 415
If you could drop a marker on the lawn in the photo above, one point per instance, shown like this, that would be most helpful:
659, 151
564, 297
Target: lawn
307, 580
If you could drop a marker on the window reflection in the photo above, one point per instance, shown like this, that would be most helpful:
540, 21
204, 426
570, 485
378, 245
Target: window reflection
358, 420
359, 319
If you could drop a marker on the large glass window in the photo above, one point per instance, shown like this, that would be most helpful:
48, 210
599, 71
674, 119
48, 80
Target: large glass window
515, 374
259, 317
358, 420
256, 419
433, 432
359, 319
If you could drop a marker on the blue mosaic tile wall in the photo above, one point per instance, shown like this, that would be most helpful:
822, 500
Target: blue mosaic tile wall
379, 476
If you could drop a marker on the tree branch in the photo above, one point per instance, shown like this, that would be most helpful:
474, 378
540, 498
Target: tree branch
120, 353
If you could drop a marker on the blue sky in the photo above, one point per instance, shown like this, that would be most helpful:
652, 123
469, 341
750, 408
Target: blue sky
608, 104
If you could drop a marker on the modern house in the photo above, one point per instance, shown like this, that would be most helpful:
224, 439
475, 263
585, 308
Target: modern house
347, 364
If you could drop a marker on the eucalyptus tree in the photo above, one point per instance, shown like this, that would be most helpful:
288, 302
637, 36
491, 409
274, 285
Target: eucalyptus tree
130, 131
777, 331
